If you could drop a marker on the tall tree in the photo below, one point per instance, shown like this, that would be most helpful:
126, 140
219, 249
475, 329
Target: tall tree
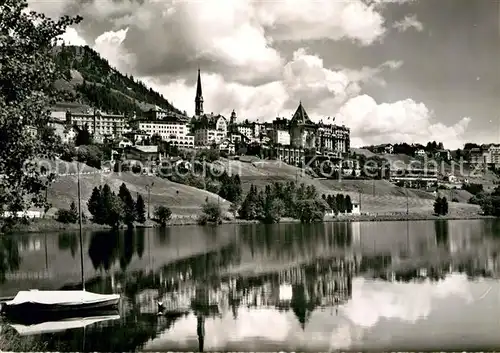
96, 206
140, 209
27, 77
129, 205
348, 203
73, 212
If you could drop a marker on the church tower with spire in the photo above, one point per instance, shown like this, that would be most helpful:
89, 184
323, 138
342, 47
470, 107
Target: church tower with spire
198, 108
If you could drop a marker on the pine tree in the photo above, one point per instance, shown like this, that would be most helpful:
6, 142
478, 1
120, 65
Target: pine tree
96, 205
73, 212
438, 205
140, 209
348, 204
129, 205
340, 203
444, 206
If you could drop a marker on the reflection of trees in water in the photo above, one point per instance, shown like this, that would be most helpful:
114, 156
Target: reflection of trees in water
288, 241
342, 234
140, 242
106, 247
375, 262
300, 305
127, 248
67, 241
10, 260
103, 249
128, 334
441, 228
163, 235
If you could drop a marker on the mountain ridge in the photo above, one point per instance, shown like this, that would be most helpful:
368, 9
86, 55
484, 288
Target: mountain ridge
91, 81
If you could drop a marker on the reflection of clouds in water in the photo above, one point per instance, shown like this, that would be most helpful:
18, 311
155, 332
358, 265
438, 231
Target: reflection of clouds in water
265, 324
344, 336
262, 323
255, 325
373, 300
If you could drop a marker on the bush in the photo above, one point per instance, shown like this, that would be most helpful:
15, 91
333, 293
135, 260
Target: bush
162, 215
474, 189
68, 216
478, 198
212, 213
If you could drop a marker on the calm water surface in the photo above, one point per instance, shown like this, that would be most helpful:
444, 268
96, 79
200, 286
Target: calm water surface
430, 285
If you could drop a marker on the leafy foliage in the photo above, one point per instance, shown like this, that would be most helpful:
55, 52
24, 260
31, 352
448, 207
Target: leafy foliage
212, 213
162, 215
27, 77
68, 216
474, 189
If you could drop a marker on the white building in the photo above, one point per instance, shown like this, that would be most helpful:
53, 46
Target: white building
420, 153
246, 130
98, 123
210, 129
172, 129
281, 137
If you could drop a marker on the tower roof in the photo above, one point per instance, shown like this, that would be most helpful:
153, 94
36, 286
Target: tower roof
300, 117
199, 93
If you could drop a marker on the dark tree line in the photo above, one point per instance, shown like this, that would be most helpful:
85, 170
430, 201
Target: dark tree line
230, 187
283, 200
112, 209
441, 206
339, 203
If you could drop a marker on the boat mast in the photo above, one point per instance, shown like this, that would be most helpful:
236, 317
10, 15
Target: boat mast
80, 224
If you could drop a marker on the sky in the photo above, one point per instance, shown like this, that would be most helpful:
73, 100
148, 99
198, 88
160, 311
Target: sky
392, 70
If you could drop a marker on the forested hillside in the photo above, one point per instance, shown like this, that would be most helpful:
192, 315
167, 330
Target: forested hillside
89, 79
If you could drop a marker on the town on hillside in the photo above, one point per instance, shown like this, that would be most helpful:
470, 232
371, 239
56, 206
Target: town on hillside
168, 143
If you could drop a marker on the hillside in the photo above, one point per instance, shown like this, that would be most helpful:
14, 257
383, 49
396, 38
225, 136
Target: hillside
182, 199
90, 80
379, 196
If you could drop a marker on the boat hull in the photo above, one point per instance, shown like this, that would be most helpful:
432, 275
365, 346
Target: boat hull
40, 310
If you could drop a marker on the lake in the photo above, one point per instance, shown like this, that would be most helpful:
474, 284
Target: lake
398, 286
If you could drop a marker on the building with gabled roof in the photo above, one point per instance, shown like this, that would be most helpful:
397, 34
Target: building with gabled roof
302, 129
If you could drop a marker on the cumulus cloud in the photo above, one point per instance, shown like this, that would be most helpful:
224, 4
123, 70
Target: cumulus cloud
239, 47
234, 38
405, 120
374, 300
409, 21
354, 20
71, 37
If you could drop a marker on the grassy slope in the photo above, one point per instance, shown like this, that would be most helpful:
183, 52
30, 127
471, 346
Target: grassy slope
387, 198
182, 199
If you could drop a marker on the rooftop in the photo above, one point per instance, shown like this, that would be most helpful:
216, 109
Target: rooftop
147, 149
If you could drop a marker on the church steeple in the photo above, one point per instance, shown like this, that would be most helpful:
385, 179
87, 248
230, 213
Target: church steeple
198, 109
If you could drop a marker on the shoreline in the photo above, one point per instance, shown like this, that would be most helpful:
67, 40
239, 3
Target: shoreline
52, 226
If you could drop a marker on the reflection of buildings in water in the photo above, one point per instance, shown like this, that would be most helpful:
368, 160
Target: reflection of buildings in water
320, 284
461, 235
32, 244
356, 233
